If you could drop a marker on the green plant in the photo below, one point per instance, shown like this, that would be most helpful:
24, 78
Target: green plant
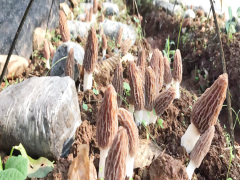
160, 122
179, 34
95, 91
126, 88
57, 38
85, 107
139, 28
111, 44
167, 52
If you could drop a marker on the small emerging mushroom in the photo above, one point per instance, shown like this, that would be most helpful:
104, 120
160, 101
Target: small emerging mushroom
125, 118
117, 157
107, 125
118, 40
90, 58
205, 112
177, 72
87, 16
52, 50
46, 52
63, 26
141, 64
102, 18
125, 46
200, 150
91, 15
104, 45
150, 94
163, 101
70, 64
137, 92
95, 6
118, 82
167, 73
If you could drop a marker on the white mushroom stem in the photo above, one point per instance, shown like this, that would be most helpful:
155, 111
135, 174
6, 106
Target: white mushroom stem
129, 166
131, 108
146, 116
184, 30
87, 81
138, 117
176, 84
190, 169
103, 155
168, 86
48, 64
104, 53
153, 117
190, 138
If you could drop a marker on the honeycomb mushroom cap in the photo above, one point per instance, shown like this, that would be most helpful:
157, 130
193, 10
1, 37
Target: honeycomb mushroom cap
167, 71
90, 14
186, 22
126, 45
118, 82
202, 146
70, 64
102, 18
46, 50
63, 26
95, 6
177, 66
141, 64
104, 42
91, 52
87, 16
164, 100
207, 108
118, 40
125, 118
107, 123
200, 13
115, 166
150, 88
136, 87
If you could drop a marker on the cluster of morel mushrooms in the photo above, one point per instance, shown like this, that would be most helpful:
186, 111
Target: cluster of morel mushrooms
153, 89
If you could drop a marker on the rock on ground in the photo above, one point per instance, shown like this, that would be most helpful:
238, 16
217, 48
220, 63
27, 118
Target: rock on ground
42, 14
111, 29
111, 9
62, 52
16, 66
42, 113
78, 28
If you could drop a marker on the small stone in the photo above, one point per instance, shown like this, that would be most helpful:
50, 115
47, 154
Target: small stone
38, 38
78, 28
111, 9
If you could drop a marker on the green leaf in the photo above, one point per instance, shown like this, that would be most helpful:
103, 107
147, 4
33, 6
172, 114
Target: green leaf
154, 112
11, 174
144, 122
1, 168
160, 122
95, 91
85, 107
126, 86
230, 13
238, 12
20, 163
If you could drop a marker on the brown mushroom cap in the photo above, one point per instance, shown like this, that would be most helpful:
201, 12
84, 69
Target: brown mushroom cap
207, 108
141, 64
177, 66
118, 40
163, 100
200, 13
104, 42
150, 88
115, 165
102, 18
70, 64
126, 45
87, 16
158, 67
118, 82
91, 52
52, 50
125, 118
90, 14
167, 71
136, 87
202, 146
63, 26
46, 50
95, 6
107, 123
186, 22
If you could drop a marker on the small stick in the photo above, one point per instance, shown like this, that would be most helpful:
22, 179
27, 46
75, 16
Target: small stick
230, 121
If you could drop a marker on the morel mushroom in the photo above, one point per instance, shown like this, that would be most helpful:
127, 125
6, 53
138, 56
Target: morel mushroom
167, 73
136, 92
52, 50
141, 64
87, 16
125, 46
104, 45
63, 26
125, 118
118, 83
95, 6
46, 52
70, 64
205, 112
117, 156
118, 40
200, 150
177, 72
150, 94
163, 101
158, 67
90, 58
107, 125
102, 18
